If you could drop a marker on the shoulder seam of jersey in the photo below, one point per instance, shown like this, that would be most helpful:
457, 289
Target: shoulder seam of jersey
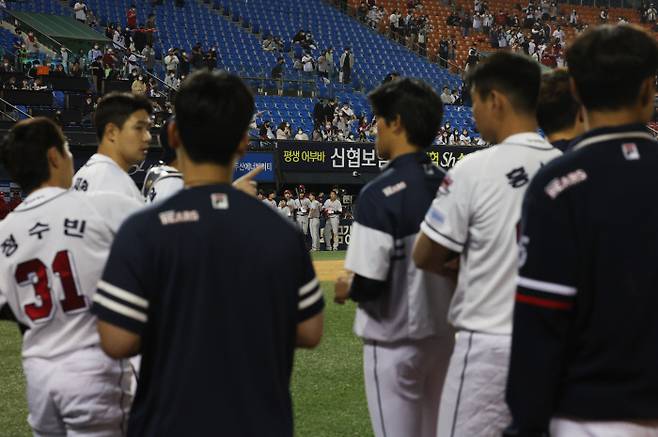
613, 136
28, 208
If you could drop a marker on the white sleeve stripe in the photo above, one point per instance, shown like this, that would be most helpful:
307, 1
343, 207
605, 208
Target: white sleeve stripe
119, 308
310, 300
547, 287
122, 294
439, 238
308, 287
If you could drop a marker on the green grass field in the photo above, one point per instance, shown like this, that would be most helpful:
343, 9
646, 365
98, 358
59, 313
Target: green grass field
327, 383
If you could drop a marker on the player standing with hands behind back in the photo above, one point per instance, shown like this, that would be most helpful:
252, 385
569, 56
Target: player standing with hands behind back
187, 298
332, 209
402, 310
53, 248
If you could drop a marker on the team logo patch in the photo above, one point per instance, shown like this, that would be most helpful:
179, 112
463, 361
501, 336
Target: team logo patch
436, 216
630, 151
219, 200
172, 217
559, 184
392, 189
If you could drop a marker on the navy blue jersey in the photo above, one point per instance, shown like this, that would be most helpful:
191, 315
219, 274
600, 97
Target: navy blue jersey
388, 214
215, 283
585, 327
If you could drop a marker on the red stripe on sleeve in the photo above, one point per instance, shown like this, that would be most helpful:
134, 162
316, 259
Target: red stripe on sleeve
545, 303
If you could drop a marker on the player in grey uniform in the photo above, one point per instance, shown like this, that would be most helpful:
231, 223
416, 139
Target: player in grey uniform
302, 206
271, 199
288, 205
332, 208
314, 221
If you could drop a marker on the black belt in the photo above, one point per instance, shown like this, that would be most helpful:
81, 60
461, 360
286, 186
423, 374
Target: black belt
299, 214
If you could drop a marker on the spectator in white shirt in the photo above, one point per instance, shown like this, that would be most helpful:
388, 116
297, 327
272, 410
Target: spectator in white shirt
171, 61
80, 9
301, 136
446, 97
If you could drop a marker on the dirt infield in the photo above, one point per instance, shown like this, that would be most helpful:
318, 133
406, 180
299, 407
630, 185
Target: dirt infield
329, 270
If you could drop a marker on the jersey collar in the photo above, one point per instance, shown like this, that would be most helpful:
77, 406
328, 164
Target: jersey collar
408, 159
98, 157
527, 139
40, 196
604, 134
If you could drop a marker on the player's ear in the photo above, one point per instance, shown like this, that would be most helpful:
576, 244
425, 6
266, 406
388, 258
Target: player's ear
173, 135
574, 90
647, 91
55, 158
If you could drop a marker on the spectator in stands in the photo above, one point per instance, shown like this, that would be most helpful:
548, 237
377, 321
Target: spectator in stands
197, 57
6, 67
308, 63
277, 70
148, 54
31, 43
446, 96
301, 136
184, 65
94, 53
139, 38
603, 15
573, 18
210, 59
131, 17
268, 44
171, 80
80, 9
651, 14
330, 61
346, 65
283, 131
171, 62
465, 138
131, 63
75, 70
150, 29
138, 86
323, 66
58, 71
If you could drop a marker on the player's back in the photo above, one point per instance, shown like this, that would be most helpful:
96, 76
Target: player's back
53, 249
218, 313
101, 173
497, 180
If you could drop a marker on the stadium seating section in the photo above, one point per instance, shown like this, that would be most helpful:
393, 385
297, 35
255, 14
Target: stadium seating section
230, 25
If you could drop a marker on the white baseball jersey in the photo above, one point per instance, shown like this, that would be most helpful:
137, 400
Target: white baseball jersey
476, 213
332, 206
162, 182
53, 249
101, 173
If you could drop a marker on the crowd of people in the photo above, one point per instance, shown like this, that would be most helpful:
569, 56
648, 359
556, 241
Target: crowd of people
491, 300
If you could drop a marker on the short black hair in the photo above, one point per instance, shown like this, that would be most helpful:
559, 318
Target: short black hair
418, 105
557, 107
515, 76
116, 108
213, 111
24, 151
609, 63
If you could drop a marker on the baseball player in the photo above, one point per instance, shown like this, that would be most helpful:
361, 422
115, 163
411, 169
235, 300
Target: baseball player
559, 114
585, 329
402, 310
314, 221
53, 249
122, 125
289, 208
475, 217
221, 352
332, 209
271, 199
163, 180
302, 207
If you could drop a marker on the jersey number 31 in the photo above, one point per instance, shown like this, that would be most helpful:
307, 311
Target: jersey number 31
34, 272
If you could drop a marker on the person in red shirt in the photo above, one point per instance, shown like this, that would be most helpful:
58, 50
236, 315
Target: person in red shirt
15, 200
131, 17
4, 207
